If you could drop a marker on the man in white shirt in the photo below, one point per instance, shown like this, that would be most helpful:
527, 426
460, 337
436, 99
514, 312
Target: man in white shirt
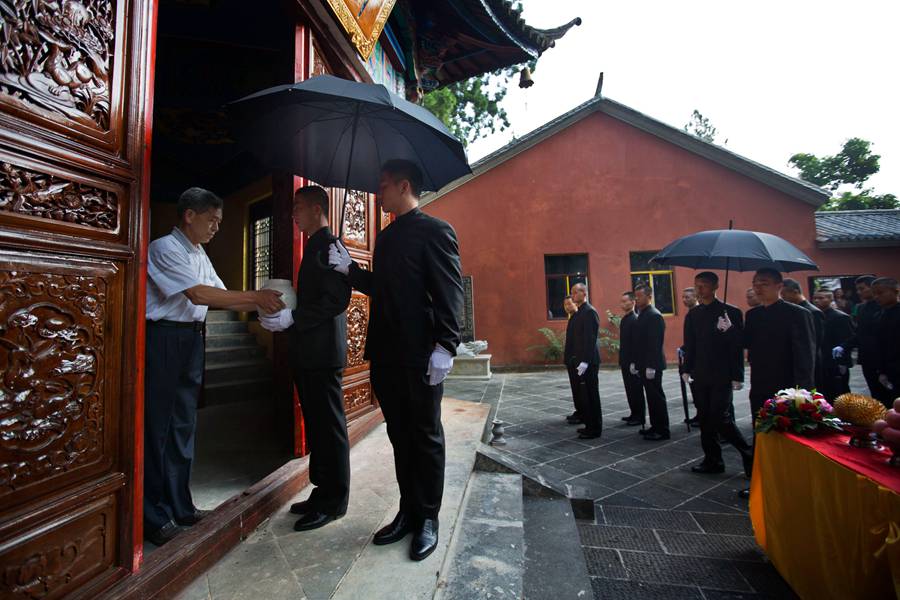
181, 286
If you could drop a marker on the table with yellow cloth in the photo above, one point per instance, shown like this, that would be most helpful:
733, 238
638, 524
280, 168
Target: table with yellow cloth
827, 515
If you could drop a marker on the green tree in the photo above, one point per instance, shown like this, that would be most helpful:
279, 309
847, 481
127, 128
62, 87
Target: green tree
471, 108
853, 166
700, 126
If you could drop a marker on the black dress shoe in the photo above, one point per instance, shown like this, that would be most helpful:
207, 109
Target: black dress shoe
629, 418
693, 421
194, 518
574, 420
646, 432
425, 540
314, 520
588, 435
395, 531
708, 468
164, 533
655, 436
633, 422
744, 494
301, 508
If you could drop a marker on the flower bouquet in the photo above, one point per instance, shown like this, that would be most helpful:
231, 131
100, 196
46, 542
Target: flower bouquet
796, 410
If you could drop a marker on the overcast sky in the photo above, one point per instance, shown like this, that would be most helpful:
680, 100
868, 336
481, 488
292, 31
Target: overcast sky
775, 78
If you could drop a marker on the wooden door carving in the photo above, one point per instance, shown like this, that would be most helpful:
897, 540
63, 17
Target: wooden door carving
75, 78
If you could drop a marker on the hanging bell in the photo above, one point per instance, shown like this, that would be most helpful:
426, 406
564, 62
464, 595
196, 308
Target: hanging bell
525, 80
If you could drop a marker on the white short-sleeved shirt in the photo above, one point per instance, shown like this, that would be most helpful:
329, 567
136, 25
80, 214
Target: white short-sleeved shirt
174, 265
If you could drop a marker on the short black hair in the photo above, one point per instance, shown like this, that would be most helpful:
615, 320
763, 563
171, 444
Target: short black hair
630, 295
707, 276
648, 291
866, 279
888, 282
198, 200
401, 169
769, 272
792, 284
314, 194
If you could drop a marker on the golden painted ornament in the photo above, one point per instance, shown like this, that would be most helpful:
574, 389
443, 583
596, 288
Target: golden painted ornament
858, 409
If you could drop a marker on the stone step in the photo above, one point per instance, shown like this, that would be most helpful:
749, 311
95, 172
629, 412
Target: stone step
554, 559
227, 354
486, 558
221, 315
224, 327
231, 340
233, 371
236, 391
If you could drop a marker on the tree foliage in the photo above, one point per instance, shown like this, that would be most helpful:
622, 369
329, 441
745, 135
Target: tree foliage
853, 166
700, 126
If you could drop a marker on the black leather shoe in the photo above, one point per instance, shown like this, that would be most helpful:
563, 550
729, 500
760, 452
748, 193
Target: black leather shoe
646, 432
693, 421
634, 422
425, 540
588, 435
708, 468
395, 531
314, 520
301, 508
629, 418
192, 519
744, 494
574, 419
164, 534
655, 436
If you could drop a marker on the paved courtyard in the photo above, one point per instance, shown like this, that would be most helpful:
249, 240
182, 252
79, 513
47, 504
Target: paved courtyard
660, 530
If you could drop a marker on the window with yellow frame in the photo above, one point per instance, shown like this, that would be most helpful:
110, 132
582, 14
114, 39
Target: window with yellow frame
659, 279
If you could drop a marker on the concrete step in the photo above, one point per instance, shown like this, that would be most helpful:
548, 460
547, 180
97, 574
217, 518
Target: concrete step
216, 356
486, 558
223, 327
554, 559
231, 340
242, 390
234, 371
221, 315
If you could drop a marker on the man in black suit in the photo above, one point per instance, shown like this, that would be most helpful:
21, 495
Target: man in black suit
582, 357
838, 332
575, 418
634, 390
318, 350
416, 290
780, 342
886, 291
650, 361
791, 292
868, 314
714, 360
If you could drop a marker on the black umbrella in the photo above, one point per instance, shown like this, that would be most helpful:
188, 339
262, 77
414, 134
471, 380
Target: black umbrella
338, 133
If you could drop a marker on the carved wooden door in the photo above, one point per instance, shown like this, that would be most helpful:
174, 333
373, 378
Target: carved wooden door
75, 78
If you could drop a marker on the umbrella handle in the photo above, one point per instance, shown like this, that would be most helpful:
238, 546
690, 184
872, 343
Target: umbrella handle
347, 177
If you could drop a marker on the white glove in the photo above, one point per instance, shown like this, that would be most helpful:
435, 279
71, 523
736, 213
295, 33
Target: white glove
686, 377
439, 365
737, 385
632, 369
338, 258
581, 368
883, 380
650, 373
842, 369
280, 321
837, 352
724, 323
680, 353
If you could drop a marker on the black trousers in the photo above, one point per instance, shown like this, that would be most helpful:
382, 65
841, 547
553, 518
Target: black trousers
634, 393
322, 402
412, 412
573, 384
586, 395
834, 384
878, 391
714, 403
656, 401
174, 372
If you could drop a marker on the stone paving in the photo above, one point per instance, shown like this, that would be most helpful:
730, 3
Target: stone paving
660, 530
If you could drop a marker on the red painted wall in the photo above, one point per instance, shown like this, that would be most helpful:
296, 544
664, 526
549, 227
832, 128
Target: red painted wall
605, 188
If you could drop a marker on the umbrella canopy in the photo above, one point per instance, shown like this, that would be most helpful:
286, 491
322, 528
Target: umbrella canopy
735, 250
338, 133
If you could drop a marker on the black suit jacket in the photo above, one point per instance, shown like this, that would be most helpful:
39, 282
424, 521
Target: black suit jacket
818, 322
582, 344
711, 356
868, 315
649, 335
838, 332
626, 339
781, 343
416, 291
889, 345
319, 333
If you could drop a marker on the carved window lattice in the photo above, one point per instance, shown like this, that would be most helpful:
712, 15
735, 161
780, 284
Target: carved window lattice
357, 323
357, 398
57, 57
35, 194
356, 221
52, 360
